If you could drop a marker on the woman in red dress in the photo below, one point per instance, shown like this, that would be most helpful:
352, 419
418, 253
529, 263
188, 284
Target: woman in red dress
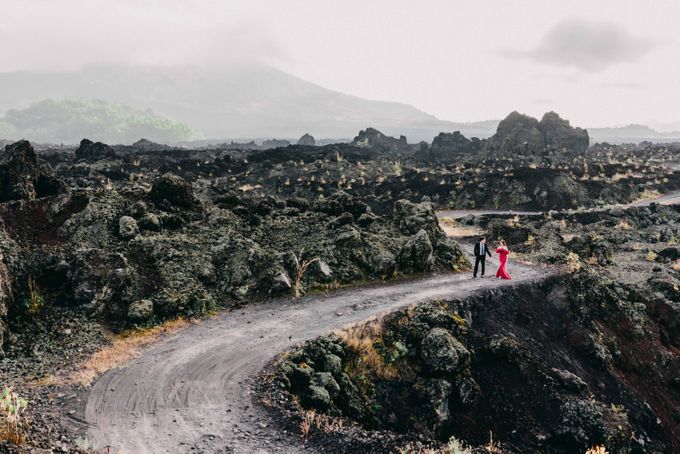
502, 252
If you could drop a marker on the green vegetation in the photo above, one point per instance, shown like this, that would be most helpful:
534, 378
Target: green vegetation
34, 301
69, 120
12, 416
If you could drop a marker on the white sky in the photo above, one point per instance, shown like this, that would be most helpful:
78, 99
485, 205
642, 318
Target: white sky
597, 63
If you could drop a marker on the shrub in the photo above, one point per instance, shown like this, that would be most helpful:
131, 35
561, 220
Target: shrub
301, 267
13, 421
34, 301
456, 446
573, 262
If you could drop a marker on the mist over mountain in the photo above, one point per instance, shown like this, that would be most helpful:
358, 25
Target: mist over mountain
243, 100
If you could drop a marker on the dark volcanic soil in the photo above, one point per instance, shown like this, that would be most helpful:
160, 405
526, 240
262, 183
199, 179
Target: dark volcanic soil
97, 239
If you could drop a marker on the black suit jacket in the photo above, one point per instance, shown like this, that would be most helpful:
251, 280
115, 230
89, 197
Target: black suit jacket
486, 250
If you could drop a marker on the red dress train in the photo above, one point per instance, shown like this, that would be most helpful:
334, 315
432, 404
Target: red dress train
503, 256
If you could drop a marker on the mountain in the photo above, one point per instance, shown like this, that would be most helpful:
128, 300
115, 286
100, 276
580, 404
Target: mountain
243, 100
69, 120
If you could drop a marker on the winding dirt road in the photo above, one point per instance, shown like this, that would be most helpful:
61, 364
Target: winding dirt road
191, 392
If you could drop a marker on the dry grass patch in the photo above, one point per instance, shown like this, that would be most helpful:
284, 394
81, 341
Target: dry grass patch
364, 358
624, 225
124, 347
573, 262
13, 420
452, 229
312, 421
649, 194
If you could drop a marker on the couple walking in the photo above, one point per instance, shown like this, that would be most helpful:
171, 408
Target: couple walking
481, 251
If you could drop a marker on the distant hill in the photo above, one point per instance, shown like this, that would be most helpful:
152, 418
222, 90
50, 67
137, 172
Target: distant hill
244, 100
69, 120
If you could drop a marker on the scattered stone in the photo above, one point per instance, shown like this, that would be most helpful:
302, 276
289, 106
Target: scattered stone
127, 227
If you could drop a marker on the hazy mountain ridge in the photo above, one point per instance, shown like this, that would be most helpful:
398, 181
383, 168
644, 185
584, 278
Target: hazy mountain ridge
252, 100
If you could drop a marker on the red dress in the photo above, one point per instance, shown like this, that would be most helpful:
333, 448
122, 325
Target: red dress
503, 256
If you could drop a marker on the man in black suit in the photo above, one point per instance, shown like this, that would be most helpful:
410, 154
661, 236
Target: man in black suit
480, 255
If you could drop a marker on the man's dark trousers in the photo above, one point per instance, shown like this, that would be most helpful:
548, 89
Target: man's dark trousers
479, 259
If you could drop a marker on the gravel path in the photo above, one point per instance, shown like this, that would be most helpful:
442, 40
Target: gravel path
191, 392
671, 198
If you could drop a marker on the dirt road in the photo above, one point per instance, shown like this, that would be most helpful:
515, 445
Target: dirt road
671, 198
191, 393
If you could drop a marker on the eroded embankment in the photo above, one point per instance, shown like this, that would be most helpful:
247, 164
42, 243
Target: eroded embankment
558, 366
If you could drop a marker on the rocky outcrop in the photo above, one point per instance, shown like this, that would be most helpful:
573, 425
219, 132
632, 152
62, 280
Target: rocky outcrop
307, 140
93, 151
25, 177
453, 142
416, 255
427, 245
5, 301
372, 138
442, 353
10, 269
449, 147
137, 248
274, 143
173, 190
147, 145
561, 136
466, 367
522, 134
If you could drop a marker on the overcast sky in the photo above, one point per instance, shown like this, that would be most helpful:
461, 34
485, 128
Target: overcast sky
595, 62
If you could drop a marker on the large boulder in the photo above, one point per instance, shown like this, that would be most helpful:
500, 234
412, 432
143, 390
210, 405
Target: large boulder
447, 146
416, 255
127, 227
274, 143
173, 189
25, 177
442, 353
435, 394
340, 202
306, 139
522, 134
412, 217
372, 138
560, 135
518, 133
92, 151
140, 310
